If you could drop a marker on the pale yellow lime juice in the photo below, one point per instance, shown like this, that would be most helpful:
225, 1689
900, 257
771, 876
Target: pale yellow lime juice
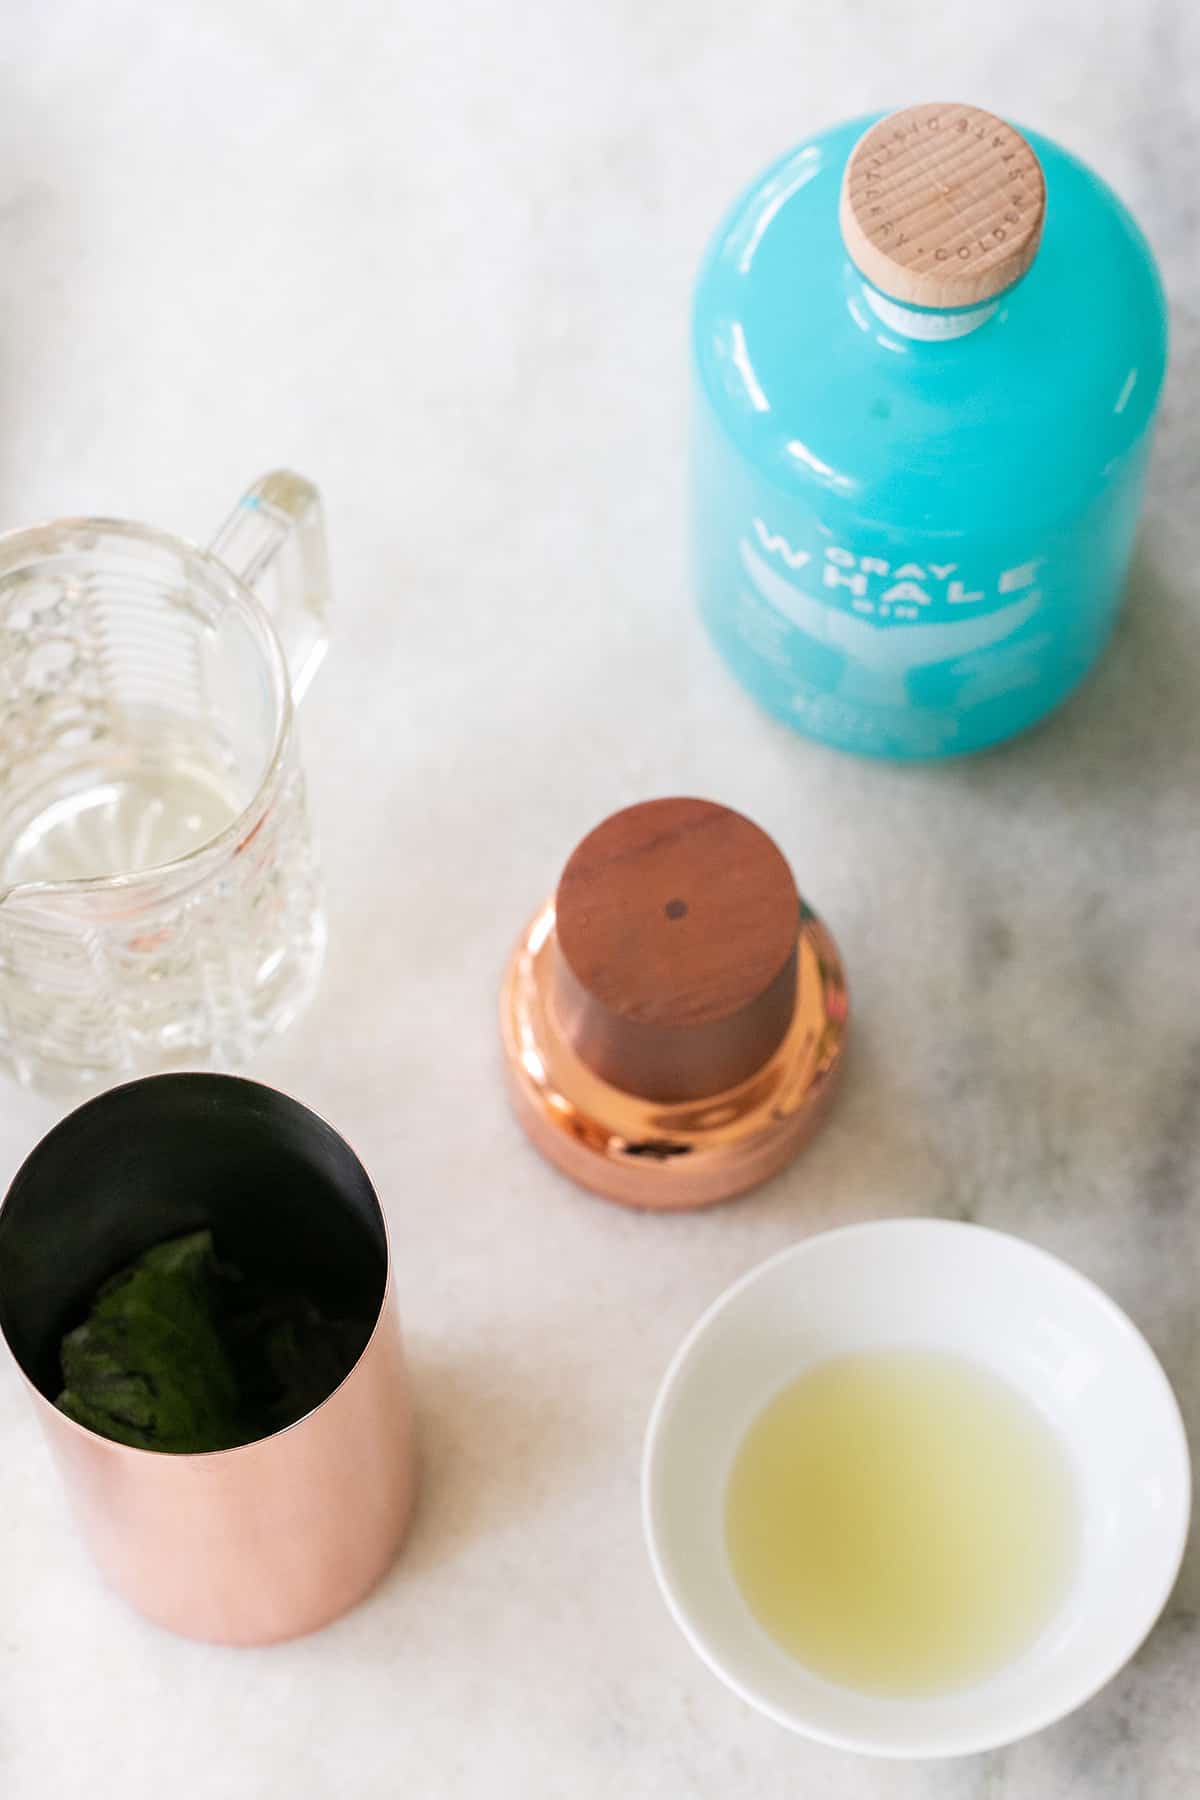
902, 1521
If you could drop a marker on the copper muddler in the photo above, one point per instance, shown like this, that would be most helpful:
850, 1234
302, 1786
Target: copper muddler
673, 1018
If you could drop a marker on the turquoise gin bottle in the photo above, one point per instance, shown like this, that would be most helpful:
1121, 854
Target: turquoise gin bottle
927, 360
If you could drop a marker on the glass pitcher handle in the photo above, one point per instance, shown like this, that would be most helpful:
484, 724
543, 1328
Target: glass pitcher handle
274, 541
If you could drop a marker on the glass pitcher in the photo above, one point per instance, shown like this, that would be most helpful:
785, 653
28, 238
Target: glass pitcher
159, 903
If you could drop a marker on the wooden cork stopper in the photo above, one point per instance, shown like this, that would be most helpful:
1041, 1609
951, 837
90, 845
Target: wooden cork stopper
942, 205
677, 924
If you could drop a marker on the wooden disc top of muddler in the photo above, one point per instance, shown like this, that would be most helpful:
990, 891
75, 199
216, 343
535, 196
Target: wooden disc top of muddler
942, 205
677, 925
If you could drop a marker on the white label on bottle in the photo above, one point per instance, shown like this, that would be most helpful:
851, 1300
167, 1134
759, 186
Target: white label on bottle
884, 633
878, 589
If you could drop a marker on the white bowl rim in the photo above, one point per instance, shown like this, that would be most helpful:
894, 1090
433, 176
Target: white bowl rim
964, 1743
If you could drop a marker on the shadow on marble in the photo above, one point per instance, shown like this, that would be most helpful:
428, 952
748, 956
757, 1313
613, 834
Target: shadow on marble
872, 1158
492, 1446
1134, 724
1132, 1740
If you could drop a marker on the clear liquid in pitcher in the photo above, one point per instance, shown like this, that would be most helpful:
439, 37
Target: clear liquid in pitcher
118, 815
210, 939
199, 966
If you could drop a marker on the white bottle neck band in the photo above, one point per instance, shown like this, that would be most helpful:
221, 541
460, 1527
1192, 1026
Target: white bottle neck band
935, 327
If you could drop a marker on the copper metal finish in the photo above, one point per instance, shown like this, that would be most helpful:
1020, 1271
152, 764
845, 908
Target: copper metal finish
660, 1156
266, 1542
279, 1536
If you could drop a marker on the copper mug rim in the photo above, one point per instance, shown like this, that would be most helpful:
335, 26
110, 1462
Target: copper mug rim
173, 1075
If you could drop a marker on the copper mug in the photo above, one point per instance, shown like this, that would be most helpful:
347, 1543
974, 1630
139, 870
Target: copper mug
277, 1537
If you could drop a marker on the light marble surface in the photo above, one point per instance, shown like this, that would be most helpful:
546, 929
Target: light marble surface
438, 258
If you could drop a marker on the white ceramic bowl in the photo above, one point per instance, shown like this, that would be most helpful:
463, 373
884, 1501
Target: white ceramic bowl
953, 1287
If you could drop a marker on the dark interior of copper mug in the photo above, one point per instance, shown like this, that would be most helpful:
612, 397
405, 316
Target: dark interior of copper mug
281, 1191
